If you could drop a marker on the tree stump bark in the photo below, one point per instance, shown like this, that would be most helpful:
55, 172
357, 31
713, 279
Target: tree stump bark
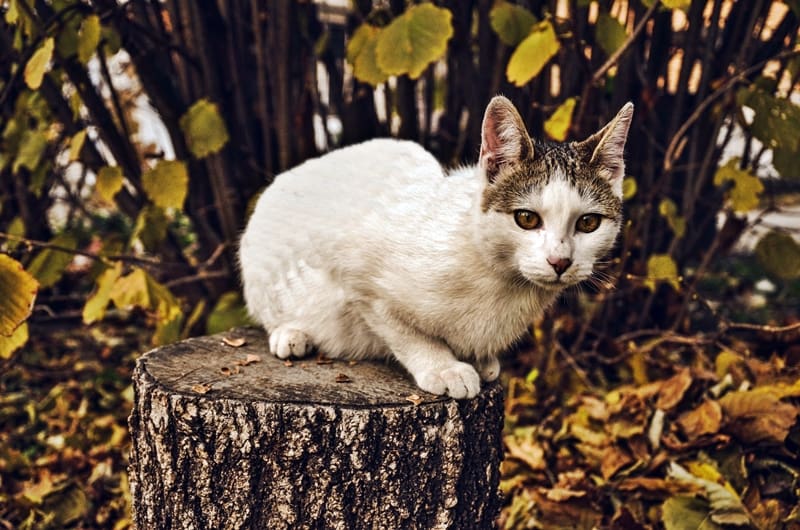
228, 436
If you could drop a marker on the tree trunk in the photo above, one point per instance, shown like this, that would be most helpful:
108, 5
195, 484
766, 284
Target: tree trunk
232, 437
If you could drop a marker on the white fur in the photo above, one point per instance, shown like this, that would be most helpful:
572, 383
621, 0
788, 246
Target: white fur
371, 251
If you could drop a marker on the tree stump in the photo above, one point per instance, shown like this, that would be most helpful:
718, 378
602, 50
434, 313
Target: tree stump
228, 436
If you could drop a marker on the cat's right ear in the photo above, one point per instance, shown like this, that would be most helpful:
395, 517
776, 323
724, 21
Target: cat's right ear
504, 139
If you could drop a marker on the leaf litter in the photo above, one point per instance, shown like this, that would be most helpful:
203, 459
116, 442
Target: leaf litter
682, 434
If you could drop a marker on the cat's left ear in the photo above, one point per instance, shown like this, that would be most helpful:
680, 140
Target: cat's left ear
607, 148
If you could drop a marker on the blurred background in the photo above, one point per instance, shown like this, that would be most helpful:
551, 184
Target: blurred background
135, 136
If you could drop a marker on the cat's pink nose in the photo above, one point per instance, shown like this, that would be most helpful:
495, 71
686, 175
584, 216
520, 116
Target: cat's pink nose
559, 264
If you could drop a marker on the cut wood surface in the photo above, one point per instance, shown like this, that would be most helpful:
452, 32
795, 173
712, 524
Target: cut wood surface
225, 435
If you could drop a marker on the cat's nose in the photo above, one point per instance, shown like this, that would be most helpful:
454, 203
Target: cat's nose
559, 264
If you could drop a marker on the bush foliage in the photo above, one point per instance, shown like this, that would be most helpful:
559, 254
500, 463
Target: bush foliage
135, 136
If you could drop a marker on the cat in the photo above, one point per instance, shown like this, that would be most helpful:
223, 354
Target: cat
375, 251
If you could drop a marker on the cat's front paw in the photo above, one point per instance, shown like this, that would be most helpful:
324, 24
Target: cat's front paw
285, 342
458, 380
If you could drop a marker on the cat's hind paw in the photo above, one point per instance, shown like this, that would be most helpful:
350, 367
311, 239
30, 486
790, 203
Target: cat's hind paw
488, 368
285, 341
458, 380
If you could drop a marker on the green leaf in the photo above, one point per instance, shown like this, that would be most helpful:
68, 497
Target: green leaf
38, 63
167, 183
662, 268
532, 54
414, 40
687, 513
88, 38
108, 183
744, 195
779, 254
629, 188
95, 307
511, 22
18, 290
15, 228
49, 264
361, 54
30, 152
229, 312
669, 210
76, 144
610, 33
776, 123
557, 126
725, 505
18, 338
204, 128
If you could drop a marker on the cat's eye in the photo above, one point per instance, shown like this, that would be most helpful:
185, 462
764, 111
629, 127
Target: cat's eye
527, 220
588, 223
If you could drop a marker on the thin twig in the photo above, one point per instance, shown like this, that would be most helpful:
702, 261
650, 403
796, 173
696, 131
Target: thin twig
91, 255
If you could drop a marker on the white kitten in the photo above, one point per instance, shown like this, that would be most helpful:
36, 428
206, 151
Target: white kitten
372, 251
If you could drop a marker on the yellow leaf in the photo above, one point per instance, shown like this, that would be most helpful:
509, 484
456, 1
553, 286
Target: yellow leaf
511, 22
204, 128
167, 183
629, 188
139, 289
557, 126
88, 38
744, 195
109, 182
532, 54
76, 144
38, 64
669, 210
18, 338
95, 307
662, 268
414, 39
151, 227
361, 54
229, 312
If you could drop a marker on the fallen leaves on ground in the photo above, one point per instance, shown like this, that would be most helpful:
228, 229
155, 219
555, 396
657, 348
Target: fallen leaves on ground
680, 433
64, 405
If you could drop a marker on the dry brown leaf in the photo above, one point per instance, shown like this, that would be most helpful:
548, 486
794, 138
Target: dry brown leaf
673, 389
414, 398
562, 494
226, 370
324, 360
234, 342
250, 359
343, 378
597, 409
201, 388
758, 416
526, 451
705, 419
614, 459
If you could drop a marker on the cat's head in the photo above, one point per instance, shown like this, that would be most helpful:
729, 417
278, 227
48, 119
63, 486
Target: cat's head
550, 211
